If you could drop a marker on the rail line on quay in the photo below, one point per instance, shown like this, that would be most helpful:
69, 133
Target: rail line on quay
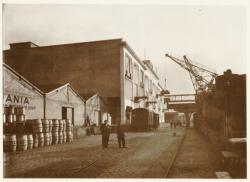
86, 167
173, 160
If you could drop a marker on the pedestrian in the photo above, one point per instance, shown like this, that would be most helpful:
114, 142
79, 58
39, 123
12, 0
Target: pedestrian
105, 130
120, 136
87, 121
171, 123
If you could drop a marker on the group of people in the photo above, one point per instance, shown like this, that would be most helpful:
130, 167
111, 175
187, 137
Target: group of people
105, 131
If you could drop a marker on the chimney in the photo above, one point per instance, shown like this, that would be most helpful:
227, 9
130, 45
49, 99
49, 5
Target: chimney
23, 45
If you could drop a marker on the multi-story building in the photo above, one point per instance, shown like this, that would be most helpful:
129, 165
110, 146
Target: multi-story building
109, 68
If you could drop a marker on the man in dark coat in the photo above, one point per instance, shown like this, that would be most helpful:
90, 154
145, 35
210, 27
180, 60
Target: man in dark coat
120, 136
105, 130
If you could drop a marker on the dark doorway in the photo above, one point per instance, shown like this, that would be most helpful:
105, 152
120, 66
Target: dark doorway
68, 113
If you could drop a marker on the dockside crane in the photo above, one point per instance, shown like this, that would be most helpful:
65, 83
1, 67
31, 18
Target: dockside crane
201, 76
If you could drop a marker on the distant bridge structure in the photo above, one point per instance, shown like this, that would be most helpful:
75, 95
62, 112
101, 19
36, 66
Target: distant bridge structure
184, 103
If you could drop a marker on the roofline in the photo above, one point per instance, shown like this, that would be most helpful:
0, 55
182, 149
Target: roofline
65, 44
160, 86
61, 87
23, 43
22, 78
152, 71
125, 44
95, 94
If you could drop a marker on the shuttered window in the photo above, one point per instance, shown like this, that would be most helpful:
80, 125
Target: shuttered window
128, 67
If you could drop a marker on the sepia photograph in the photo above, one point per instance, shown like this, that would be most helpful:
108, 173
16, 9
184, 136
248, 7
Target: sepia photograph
124, 90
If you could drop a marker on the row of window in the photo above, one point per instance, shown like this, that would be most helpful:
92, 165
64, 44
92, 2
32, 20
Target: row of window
137, 75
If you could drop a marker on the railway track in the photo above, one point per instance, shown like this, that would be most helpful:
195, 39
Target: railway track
175, 156
172, 161
82, 168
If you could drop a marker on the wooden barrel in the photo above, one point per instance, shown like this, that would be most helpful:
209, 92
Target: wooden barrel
60, 126
30, 142
64, 125
20, 111
46, 139
50, 138
35, 140
29, 127
55, 125
5, 128
55, 138
64, 137
9, 144
10, 128
40, 140
4, 118
37, 126
50, 125
45, 124
5, 110
20, 127
20, 117
11, 110
22, 142
60, 137
10, 118
69, 136
68, 125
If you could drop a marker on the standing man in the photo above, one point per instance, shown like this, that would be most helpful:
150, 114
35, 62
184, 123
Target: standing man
105, 130
120, 136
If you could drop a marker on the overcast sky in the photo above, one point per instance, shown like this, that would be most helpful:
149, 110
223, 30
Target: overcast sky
214, 36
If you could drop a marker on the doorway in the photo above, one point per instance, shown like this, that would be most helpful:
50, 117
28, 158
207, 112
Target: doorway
68, 113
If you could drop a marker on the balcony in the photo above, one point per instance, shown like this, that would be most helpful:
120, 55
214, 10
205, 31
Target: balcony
128, 75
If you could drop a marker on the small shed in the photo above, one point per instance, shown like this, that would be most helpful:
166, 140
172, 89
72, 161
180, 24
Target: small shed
93, 108
96, 110
19, 92
63, 103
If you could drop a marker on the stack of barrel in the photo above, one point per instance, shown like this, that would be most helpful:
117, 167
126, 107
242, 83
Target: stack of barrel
21, 134
46, 131
38, 137
15, 134
55, 128
69, 131
9, 119
61, 131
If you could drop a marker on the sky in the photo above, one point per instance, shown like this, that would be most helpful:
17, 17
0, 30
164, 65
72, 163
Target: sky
214, 36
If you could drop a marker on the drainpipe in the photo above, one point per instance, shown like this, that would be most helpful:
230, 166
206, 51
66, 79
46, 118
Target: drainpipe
85, 114
44, 106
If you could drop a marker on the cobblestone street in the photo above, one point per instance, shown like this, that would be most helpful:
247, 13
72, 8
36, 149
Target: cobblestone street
84, 158
148, 155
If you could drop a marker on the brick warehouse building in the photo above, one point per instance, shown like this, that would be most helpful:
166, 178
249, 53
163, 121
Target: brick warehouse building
109, 68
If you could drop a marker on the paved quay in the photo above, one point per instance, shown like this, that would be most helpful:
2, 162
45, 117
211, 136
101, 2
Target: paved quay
84, 158
196, 158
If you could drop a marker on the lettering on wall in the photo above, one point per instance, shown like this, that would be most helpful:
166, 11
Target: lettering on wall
18, 101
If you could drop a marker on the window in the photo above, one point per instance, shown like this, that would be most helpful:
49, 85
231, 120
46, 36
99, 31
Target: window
128, 67
146, 83
150, 87
136, 74
141, 75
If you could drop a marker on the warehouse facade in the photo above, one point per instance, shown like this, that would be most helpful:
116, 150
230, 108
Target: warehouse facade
50, 102
64, 103
19, 92
109, 68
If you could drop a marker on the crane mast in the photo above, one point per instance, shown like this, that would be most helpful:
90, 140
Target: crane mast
201, 77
